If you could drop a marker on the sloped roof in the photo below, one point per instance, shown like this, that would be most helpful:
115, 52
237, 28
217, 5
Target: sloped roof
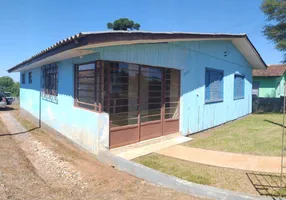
272, 70
73, 46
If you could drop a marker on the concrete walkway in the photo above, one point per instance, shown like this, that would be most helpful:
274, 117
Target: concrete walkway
133, 151
224, 159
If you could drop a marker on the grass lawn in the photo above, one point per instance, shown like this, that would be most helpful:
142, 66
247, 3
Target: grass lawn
231, 179
258, 134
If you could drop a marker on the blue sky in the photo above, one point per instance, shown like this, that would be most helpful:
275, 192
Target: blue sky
29, 26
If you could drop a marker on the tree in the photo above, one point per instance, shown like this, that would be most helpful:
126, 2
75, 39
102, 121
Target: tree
15, 90
276, 29
123, 24
7, 84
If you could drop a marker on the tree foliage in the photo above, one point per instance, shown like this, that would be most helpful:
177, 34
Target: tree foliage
7, 84
275, 10
15, 89
123, 24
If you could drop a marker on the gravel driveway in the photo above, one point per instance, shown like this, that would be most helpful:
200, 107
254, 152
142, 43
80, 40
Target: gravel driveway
38, 165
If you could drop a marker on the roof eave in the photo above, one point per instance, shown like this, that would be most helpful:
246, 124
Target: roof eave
258, 54
83, 39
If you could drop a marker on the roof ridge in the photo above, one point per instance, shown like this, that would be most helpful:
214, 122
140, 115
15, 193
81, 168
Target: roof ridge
162, 32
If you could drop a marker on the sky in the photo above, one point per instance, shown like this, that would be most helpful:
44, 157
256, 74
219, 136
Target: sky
29, 26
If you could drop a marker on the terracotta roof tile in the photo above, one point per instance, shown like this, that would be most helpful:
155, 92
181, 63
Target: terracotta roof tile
272, 70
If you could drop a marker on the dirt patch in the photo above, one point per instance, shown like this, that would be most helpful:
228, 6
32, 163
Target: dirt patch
56, 171
18, 177
67, 172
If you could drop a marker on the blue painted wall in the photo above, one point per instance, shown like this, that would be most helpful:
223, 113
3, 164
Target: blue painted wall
86, 127
81, 126
192, 58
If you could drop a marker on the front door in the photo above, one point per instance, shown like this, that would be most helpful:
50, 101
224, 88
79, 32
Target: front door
123, 102
142, 102
151, 102
171, 101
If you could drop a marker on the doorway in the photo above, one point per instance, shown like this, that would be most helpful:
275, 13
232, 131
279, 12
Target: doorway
142, 102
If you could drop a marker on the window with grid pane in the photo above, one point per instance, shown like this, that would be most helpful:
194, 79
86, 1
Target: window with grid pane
50, 80
23, 78
89, 86
30, 77
213, 85
123, 100
238, 86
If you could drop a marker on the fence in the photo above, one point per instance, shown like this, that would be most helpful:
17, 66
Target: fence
261, 105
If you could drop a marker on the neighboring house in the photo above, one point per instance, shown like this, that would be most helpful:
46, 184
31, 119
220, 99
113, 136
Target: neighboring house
270, 82
109, 89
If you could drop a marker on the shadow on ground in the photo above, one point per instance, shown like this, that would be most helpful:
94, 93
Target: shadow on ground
275, 123
19, 133
6, 109
268, 185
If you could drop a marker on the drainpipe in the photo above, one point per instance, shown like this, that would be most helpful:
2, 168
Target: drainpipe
40, 101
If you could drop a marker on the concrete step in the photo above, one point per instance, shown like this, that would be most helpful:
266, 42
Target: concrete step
133, 151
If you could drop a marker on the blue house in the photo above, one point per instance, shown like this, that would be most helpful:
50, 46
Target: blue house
110, 89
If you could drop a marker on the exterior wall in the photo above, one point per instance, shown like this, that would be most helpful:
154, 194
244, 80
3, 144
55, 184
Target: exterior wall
281, 86
270, 87
192, 58
83, 127
90, 129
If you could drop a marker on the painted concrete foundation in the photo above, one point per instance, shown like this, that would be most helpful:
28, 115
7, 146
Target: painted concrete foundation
102, 140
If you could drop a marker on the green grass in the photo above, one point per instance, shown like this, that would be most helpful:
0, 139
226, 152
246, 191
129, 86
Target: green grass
207, 175
169, 166
258, 134
230, 179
